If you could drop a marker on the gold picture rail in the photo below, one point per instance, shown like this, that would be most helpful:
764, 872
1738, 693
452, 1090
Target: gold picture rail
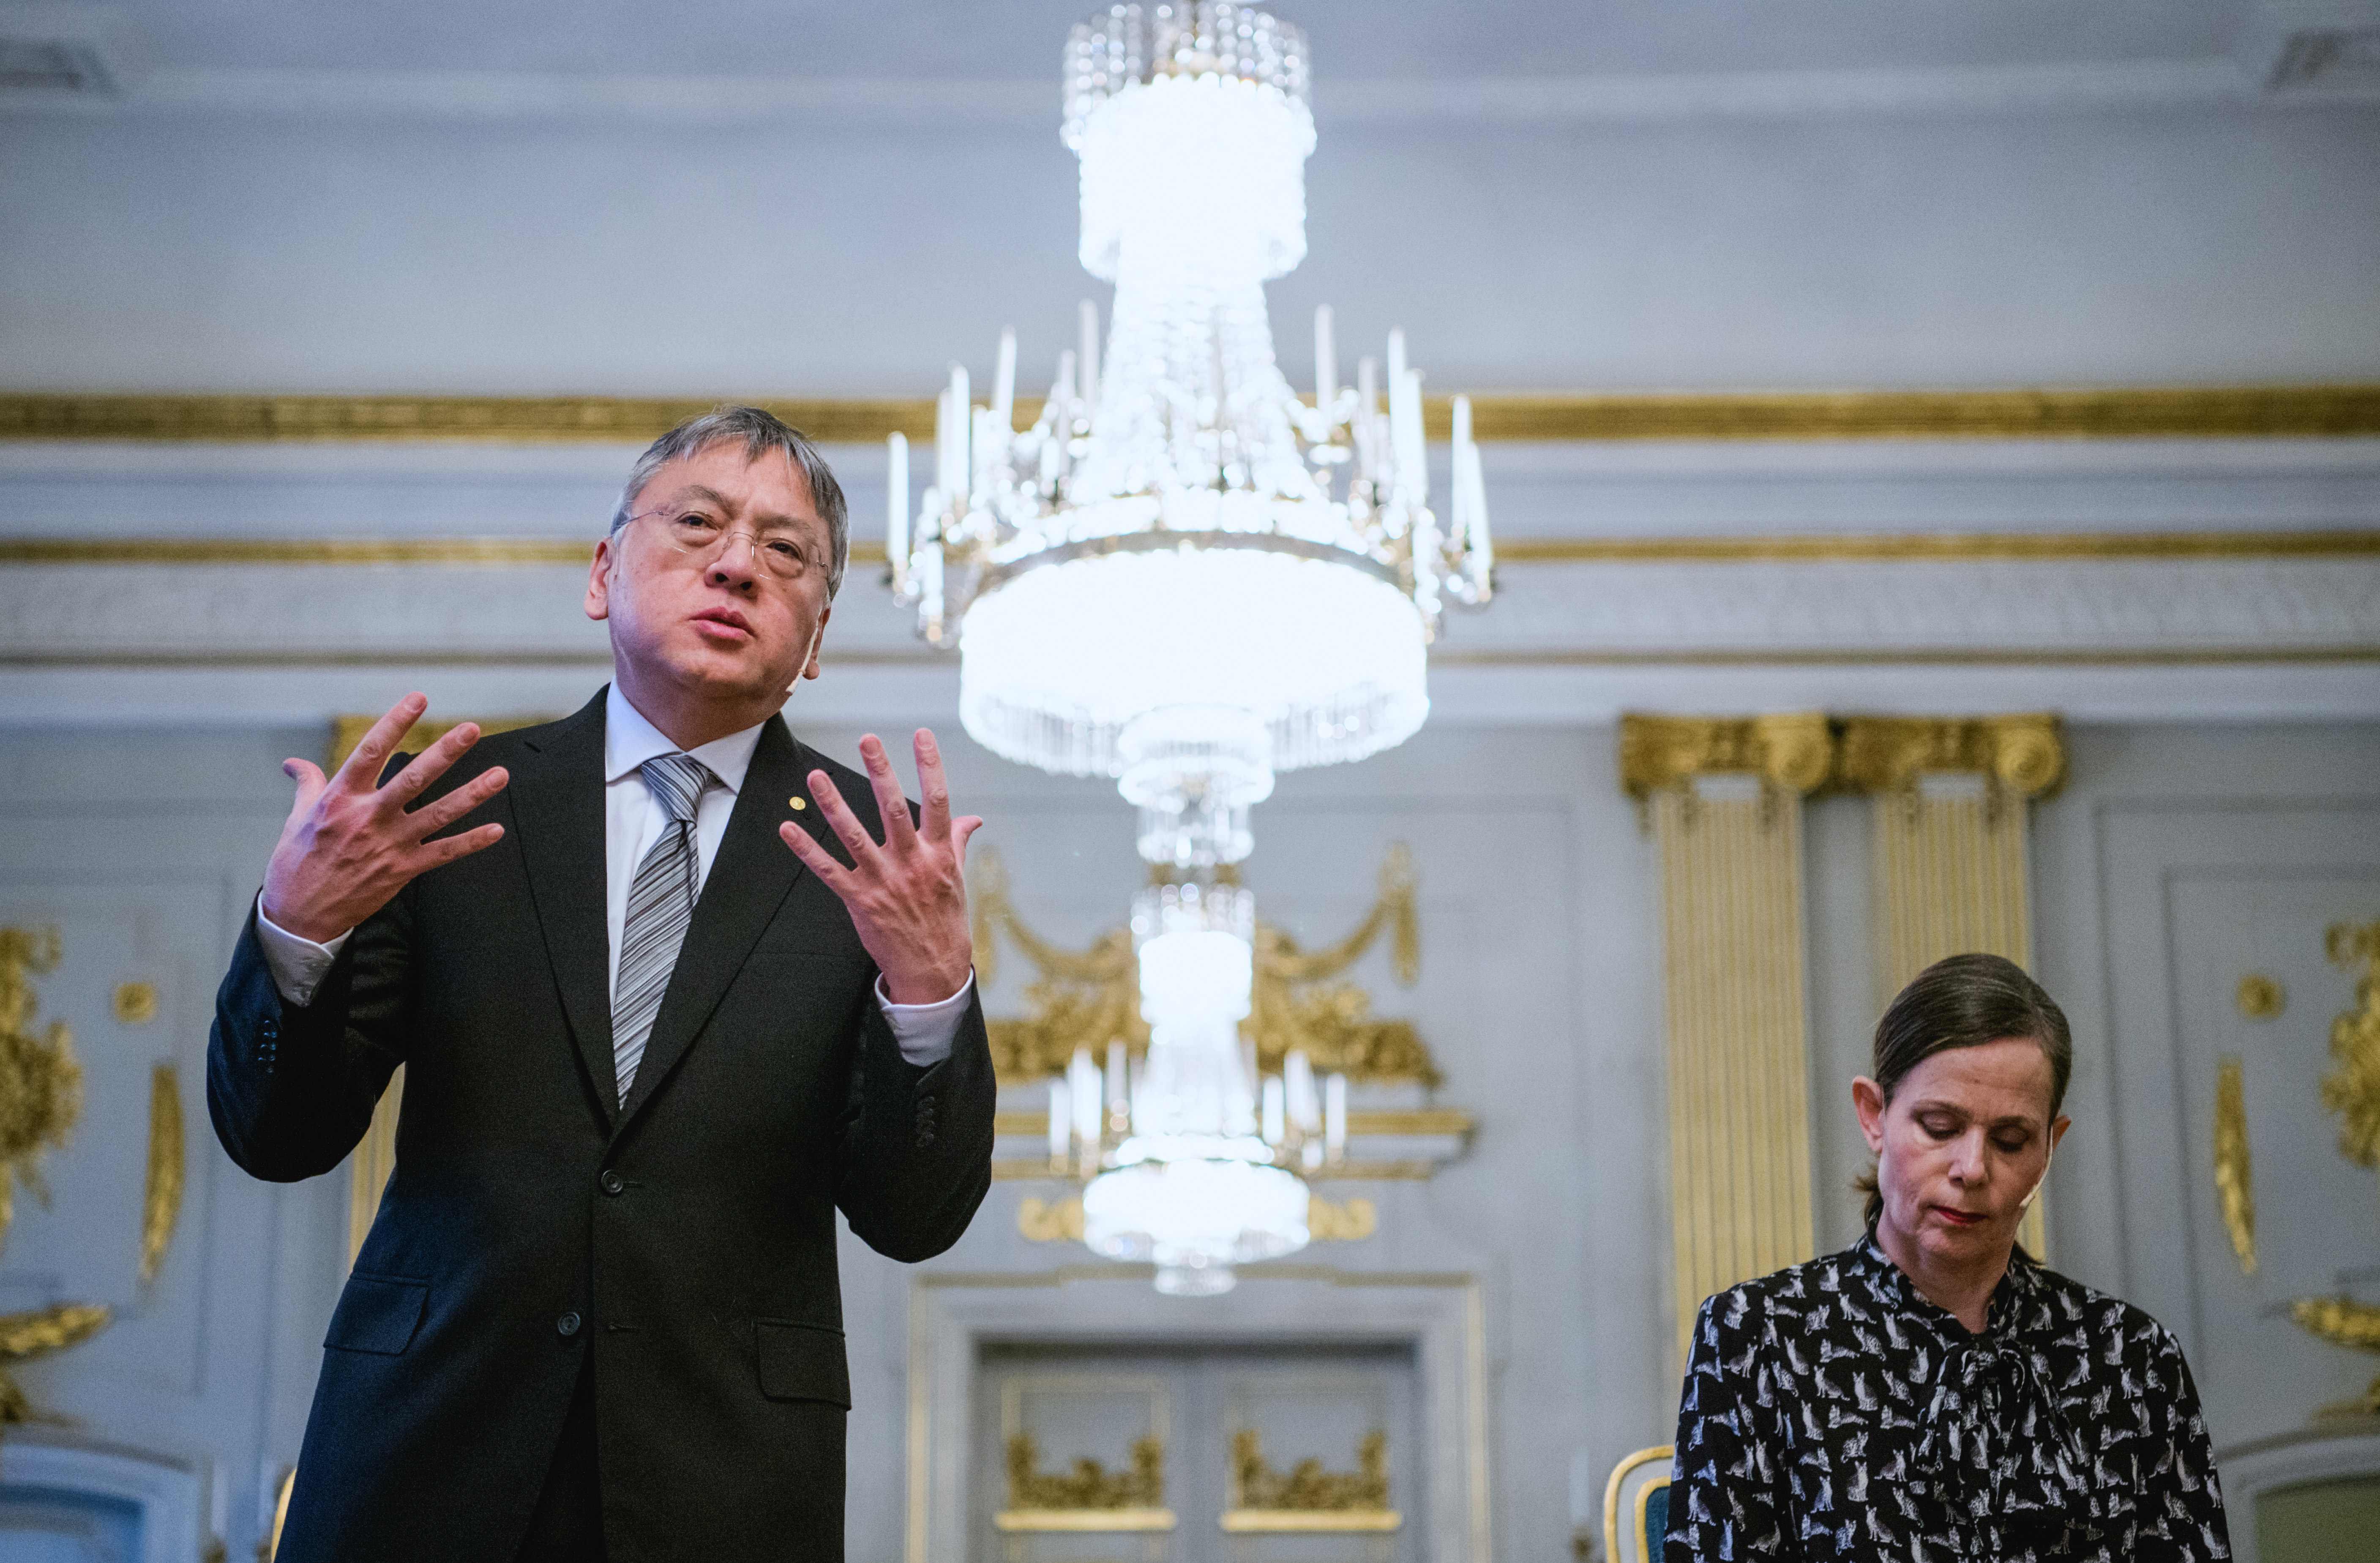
2344, 542
2332, 411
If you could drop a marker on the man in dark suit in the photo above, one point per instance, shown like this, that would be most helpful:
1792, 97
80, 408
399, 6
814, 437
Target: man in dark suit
670, 990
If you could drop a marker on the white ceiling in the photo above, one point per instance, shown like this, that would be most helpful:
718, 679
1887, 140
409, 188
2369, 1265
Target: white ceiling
1021, 39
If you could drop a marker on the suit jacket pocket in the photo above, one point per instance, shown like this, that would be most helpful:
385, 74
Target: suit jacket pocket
378, 1313
801, 1362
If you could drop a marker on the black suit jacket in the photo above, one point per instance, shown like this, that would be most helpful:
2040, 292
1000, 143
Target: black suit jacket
685, 1238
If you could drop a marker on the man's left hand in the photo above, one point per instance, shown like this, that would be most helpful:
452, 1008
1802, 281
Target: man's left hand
907, 894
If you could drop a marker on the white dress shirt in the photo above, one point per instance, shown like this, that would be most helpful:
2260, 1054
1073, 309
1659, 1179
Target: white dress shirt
633, 820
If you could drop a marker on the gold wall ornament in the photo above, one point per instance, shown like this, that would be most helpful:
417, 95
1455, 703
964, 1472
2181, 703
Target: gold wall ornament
40, 1084
2025, 755
1308, 1497
1792, 751
43, 1332
1050, 1221
134, 1004
2352, 1090
2235, 1185
2260, 998
1353, 1221
1061, 1220
1088, 1485
1089, 997
160, 1199
2343, 1321
2318, 411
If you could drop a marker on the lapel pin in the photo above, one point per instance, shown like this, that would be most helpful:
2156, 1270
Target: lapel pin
798, 805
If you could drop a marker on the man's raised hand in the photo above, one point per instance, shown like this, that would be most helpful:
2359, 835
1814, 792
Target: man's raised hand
350, 845
907, 894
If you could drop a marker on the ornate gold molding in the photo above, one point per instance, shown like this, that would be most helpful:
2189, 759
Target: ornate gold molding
28, 1337
1307, 1497
2025, 755
41, 1082
1061, 1220
1868, 547
1936, 547
219, 419
161, 1200
1089, 997
2352, 1090
2116, 413
2260, 998
2235, 1186
1396, 1122
1794, 751
2343, 1321
1089, 1485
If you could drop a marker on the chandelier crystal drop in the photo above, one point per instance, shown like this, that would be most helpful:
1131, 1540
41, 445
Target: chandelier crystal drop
1184, 576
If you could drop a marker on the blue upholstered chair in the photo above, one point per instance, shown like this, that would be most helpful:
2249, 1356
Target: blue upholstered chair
1636, 1507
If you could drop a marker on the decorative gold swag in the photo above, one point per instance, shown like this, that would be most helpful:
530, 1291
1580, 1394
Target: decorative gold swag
1089, 997
40, 1100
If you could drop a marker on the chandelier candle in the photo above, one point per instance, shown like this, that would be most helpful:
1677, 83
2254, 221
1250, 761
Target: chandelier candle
1187, 579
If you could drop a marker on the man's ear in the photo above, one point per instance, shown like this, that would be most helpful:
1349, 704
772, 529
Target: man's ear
1867, 1100
817, 638
599, 580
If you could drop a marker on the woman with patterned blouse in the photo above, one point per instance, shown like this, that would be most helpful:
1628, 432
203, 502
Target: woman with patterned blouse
1932, 1393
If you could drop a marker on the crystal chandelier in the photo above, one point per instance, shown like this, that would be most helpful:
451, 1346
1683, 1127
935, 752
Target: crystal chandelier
1184, 576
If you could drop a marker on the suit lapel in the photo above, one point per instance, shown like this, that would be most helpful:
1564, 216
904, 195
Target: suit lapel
746, 884
558, 809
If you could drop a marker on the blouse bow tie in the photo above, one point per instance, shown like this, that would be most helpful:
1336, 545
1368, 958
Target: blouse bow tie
1998, 1447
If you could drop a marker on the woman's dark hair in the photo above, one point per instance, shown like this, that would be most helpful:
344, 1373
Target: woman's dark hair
1965, 1001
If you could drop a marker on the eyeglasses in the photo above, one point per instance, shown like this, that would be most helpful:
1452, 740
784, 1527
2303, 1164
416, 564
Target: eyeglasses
696, 535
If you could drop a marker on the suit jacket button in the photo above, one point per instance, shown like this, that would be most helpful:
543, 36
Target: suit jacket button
567, 1326
613, 1183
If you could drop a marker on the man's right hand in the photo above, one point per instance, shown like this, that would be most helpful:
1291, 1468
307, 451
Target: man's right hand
349, 846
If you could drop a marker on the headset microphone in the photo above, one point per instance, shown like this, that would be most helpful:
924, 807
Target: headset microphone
2035, 1192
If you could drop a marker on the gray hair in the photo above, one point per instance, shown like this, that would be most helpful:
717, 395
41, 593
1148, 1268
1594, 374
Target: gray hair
760, 432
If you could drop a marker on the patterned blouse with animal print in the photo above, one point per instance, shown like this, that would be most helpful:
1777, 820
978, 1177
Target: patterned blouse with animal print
1831, 1412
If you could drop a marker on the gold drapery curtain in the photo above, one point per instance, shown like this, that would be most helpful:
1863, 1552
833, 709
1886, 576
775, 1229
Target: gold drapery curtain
1723, 799
1950, 800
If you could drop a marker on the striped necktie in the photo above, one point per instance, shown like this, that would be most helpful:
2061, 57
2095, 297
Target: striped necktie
661, 903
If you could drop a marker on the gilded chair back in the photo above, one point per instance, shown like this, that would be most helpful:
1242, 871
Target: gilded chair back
1636, 1507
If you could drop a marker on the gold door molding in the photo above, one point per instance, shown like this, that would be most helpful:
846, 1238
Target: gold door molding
1950, 800
1723, 798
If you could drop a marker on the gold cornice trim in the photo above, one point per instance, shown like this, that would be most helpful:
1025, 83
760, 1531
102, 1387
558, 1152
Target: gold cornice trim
242, 420
1792, 750
2112, 413
1943, 547
1876, 548
514, 551
2025, 754
2344, 411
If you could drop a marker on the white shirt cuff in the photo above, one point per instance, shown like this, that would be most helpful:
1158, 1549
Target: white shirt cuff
299, 964
925, 1032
